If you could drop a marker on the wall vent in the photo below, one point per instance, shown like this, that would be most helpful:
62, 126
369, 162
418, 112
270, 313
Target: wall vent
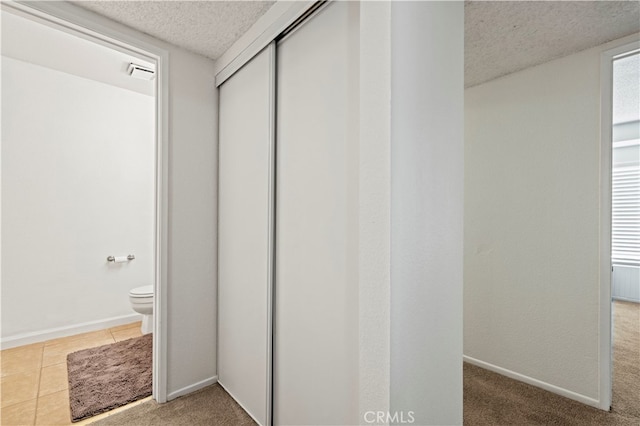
143, 73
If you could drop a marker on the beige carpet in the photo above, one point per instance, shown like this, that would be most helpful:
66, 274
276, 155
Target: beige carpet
626, 365
492, 399
207, 407
489, 398
109, 376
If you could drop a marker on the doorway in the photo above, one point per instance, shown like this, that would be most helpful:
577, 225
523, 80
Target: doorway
620, 222
625, 182
625, 230
152, 257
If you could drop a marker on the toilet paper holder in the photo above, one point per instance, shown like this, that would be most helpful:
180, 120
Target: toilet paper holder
113, 258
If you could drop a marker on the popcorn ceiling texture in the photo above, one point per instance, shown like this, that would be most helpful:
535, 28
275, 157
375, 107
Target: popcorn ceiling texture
501, 37
505, 37
207, 28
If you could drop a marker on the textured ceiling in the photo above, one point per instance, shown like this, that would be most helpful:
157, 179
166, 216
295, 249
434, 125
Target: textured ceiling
502, 37
208, 28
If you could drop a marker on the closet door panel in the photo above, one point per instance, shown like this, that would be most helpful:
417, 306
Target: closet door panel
244, 247
316, 305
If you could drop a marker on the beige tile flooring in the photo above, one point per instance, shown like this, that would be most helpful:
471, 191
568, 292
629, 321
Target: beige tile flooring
33, 387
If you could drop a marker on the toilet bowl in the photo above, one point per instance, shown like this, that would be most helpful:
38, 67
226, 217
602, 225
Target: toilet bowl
142, 302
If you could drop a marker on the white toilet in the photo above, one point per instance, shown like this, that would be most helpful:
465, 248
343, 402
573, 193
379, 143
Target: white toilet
142, 302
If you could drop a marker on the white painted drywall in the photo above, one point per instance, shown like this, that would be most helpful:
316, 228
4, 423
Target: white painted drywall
626, 283
77, 186
192, 282
532, 176
374, 197
426, 211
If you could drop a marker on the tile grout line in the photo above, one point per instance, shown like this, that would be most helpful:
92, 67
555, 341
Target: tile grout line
35, 411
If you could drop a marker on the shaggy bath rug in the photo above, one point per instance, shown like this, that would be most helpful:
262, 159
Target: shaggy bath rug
109, 376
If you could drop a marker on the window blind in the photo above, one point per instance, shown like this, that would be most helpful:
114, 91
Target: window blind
626, 215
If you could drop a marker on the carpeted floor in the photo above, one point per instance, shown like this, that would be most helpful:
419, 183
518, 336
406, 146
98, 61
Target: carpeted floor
489, 398
626, 365
207, 407
492, 399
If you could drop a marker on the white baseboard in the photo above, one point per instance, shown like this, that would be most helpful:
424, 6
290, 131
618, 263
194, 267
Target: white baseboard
192, 388
625, 299
70, 330
240, 404
534, 382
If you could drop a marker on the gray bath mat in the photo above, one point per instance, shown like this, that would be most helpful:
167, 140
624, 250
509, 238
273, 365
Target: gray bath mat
109, 376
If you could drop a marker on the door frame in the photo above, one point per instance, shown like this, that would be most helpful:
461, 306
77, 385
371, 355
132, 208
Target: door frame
606, 141
72, 19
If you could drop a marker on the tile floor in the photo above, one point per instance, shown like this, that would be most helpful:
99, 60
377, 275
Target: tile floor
33, 387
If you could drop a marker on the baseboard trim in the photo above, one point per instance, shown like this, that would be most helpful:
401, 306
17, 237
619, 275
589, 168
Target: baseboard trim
625, 299
70, 330
534, 382
192, 388
240, 404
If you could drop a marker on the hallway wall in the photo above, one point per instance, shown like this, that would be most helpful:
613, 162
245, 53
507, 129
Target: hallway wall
427, 166
532, 239
193, 209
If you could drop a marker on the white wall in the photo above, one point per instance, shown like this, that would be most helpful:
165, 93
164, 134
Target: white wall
626, 283
78, 185
426, 210
192, 209
192, 267
374, 236
532, 176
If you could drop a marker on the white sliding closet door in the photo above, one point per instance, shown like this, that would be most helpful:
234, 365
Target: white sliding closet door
244, 233
316, 291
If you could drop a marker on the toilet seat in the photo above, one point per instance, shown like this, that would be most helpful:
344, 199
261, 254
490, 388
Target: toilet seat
141, 299
144, 291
